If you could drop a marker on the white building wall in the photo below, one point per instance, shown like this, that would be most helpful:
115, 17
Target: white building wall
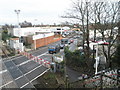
32, 30
16, 32
14, 44
21, 47
39, 36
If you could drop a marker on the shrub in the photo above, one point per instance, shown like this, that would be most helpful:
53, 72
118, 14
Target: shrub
74, 58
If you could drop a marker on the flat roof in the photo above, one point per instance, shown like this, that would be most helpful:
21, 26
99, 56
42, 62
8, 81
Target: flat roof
14, 38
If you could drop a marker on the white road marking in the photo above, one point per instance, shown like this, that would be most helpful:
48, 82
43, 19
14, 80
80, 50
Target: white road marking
19, 77
42, 54
3, 71
23, 63
25, 73
13, 59
32, 70
34, 78
6, 84
40, 75
24, 85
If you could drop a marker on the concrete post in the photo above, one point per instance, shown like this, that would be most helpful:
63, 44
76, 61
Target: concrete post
96, 65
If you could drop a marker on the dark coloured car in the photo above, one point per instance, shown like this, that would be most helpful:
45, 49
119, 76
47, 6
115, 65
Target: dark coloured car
64, 41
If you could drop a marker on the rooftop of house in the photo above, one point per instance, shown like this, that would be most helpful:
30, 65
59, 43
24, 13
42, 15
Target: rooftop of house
14, 38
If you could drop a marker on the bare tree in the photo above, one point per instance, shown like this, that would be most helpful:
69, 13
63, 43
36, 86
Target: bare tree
104, 17
80, 12
107, 20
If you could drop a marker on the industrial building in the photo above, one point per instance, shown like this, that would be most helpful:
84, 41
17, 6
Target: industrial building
35, 37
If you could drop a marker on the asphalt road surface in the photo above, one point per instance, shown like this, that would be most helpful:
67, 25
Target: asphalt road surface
19, 72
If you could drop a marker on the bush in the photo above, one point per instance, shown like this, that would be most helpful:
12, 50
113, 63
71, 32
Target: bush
74, 58
5, 36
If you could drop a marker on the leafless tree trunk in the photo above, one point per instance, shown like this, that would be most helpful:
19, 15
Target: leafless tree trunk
81, 13
107, 18
104, 15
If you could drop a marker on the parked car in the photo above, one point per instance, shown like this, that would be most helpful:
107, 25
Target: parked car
54, 49
64, 35
70, 41
64, 41
62, 46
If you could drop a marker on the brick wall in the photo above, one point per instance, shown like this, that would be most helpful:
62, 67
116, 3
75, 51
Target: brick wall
46, 41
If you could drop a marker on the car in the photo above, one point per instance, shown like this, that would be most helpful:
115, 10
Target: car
64, 41
70, 41
54, 49
64, 35
62, 46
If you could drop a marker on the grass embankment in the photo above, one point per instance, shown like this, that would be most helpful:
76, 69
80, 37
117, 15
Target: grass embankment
49, 80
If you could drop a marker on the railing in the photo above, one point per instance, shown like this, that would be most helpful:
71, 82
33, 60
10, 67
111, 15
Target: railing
36, 59
106, 79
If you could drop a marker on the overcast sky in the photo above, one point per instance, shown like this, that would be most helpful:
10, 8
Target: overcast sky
35, 11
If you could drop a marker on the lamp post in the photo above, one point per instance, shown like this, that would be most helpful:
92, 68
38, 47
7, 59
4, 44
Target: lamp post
17, 12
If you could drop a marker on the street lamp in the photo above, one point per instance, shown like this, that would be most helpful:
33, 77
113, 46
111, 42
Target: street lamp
17, 12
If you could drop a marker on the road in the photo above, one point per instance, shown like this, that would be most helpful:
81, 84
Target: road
20, 72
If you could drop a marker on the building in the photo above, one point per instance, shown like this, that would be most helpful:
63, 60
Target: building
37, 36
14, 43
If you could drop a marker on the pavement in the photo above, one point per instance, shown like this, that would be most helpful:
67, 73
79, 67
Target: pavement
72, 75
